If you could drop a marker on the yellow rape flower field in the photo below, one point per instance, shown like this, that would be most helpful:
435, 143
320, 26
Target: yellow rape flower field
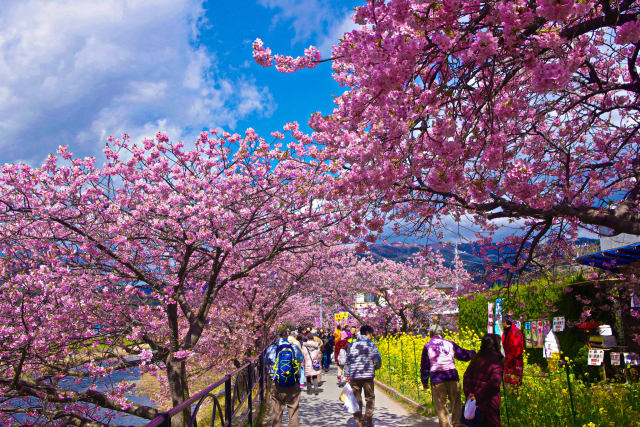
544, 399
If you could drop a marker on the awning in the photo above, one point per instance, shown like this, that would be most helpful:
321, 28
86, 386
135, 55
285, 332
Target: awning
613, 258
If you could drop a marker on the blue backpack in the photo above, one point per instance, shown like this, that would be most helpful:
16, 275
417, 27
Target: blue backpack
286, 369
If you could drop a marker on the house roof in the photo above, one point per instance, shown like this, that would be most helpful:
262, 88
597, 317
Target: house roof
612, 259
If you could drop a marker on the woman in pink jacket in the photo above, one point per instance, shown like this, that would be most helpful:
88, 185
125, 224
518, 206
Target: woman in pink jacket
312, 366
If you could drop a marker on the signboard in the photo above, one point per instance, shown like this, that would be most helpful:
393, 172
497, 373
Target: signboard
527, 334
490, 318
534, 333
615, 358
341, 316
497, 325
550, 345
558, 324
540, 334
596, 357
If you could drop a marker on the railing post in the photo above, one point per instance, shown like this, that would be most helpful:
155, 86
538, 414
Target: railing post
389, 358
228, 401
250, 397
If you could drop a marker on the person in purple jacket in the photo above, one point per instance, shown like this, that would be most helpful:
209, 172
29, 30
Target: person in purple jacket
438, 367
482, 381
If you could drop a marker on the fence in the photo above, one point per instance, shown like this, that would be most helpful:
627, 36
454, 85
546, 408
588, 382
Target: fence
236, 391
551, 398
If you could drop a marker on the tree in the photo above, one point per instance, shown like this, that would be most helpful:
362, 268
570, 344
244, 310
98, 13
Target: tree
406, 294
139, 257
517, 111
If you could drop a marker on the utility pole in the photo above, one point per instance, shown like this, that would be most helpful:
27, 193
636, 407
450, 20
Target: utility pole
455, 260
321, 318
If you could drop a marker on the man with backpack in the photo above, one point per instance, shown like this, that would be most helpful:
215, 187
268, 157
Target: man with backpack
284, 359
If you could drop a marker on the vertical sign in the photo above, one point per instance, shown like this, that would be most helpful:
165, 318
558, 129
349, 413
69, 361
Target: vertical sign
540, 334
497, 324
490, 318
527, 334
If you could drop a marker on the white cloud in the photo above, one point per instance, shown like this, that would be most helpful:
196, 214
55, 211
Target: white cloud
318, 21
309, 18
74, 71
335, 33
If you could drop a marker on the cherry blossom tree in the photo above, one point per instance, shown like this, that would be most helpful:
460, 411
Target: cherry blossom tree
406, 294
524, 112
148, 256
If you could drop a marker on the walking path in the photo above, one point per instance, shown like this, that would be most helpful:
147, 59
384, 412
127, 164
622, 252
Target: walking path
326, 410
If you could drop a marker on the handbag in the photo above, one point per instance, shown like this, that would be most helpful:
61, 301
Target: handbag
314, 363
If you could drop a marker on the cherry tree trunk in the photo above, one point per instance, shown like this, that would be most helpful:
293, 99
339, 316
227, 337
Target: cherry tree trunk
179, 389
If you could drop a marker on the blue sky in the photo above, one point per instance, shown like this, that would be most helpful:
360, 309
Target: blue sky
74, 72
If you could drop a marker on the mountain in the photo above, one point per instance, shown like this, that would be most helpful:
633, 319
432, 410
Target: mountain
474, 264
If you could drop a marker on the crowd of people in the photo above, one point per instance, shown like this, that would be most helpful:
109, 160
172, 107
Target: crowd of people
298, 358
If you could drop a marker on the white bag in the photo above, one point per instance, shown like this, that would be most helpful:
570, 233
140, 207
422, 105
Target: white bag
342, 357
470, 409
349, 399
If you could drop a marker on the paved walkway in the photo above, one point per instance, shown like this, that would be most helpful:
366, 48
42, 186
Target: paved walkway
326, 410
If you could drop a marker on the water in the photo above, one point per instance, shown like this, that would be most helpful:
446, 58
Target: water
75, 384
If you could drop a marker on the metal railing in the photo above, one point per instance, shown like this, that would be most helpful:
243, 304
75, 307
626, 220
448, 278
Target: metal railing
236, 392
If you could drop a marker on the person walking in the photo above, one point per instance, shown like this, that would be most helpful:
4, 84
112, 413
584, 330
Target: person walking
312, 367
513, 345
362, 361
284, 360
318, 340
481, 382
327, 349
438, 367
340, 352
337, 333
353, 335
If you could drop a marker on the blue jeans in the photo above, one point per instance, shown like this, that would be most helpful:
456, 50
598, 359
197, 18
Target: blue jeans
326, 360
